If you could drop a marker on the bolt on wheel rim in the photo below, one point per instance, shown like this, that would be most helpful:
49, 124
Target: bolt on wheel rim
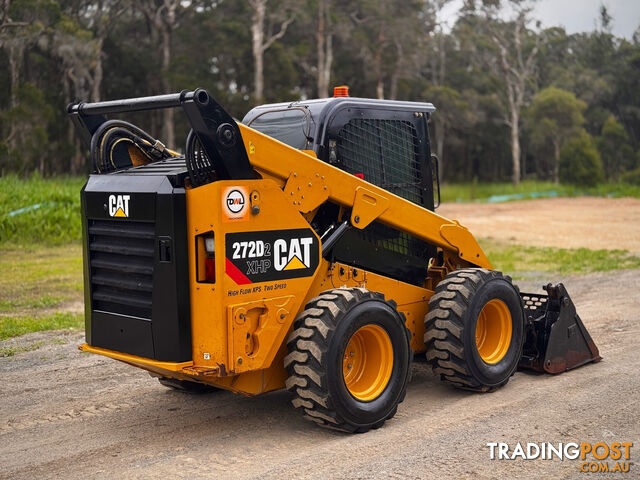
493, 331
368, 362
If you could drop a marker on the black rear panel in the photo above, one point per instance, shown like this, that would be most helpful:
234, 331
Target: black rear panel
121, 259
136, 265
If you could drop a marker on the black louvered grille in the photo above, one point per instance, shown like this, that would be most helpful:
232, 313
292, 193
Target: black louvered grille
121, 255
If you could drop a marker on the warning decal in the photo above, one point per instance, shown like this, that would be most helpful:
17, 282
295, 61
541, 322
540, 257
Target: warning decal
271, 255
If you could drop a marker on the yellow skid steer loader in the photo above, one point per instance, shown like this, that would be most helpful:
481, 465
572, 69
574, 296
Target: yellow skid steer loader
299, 249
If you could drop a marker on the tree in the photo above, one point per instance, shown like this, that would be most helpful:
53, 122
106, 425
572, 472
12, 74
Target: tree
163, 17
76, 51
480, 71
580, 162
632, 177
616, 152
515, 53
99, 16
262, 38
324, 39
28, 120
387, 36
555, 115
453, 109
445, 97
22, 25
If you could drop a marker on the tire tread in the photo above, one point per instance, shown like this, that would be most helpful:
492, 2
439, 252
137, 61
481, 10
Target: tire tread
444, 326
313, 329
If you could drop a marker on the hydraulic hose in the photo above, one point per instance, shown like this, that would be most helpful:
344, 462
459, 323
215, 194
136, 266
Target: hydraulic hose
199, 164
116, 143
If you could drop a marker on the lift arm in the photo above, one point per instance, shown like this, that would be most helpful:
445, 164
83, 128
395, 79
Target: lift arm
309, 182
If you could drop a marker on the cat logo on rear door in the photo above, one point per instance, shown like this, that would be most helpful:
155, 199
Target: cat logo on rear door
119, 205
272, 255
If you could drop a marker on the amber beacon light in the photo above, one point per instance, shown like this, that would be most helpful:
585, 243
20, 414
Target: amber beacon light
341, 91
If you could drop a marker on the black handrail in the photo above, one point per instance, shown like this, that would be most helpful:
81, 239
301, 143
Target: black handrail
172, 100
214, 128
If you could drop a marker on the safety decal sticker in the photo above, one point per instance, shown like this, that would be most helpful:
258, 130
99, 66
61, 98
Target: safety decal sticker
271, 255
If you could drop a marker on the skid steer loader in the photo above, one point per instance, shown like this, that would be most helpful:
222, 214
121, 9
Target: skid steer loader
299, 249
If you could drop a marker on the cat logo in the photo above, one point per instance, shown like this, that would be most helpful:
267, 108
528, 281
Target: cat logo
292, 255
119, 205
265, 256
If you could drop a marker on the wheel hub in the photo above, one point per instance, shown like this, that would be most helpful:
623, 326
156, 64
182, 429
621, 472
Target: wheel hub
493, 331
367, 362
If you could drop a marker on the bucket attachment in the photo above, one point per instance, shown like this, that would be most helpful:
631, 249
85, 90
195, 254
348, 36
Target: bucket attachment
556, 340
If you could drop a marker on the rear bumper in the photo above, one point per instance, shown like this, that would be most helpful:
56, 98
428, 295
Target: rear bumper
163, 368
249, 384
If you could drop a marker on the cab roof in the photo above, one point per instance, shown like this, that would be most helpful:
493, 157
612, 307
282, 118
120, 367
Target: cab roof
323, 107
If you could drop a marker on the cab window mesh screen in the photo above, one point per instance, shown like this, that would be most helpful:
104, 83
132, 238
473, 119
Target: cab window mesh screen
384, 151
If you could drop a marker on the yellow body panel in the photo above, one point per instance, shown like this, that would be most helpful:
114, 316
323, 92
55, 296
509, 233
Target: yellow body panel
237, 328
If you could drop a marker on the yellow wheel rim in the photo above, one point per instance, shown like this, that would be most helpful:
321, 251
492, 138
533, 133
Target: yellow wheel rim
367, 362
493, 331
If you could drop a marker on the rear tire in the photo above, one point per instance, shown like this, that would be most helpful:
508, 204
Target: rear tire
349, 360
474, 329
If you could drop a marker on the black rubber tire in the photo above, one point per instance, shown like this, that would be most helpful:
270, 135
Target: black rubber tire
186, 385
314, 364
450, 329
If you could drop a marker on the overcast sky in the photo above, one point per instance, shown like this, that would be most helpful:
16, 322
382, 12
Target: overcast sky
576, 15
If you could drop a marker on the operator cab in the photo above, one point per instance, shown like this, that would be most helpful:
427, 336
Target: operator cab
384, 142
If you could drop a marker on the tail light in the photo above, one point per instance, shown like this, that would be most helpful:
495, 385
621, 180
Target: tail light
206, 258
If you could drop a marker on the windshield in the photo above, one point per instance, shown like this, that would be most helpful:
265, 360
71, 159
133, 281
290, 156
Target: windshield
290, 126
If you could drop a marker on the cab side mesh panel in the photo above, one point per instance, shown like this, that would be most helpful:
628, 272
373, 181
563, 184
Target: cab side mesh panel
392, 240
384, 151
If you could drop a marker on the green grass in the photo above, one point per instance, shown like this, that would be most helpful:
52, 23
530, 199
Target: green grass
13, 326
37, 287
45, 301
517, 259
40, 278
55, 221
468, 192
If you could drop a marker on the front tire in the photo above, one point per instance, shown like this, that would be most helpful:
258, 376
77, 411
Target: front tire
474, 329
349, 360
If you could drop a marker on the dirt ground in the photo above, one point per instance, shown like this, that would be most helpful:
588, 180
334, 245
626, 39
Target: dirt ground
65, 414
591, 222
